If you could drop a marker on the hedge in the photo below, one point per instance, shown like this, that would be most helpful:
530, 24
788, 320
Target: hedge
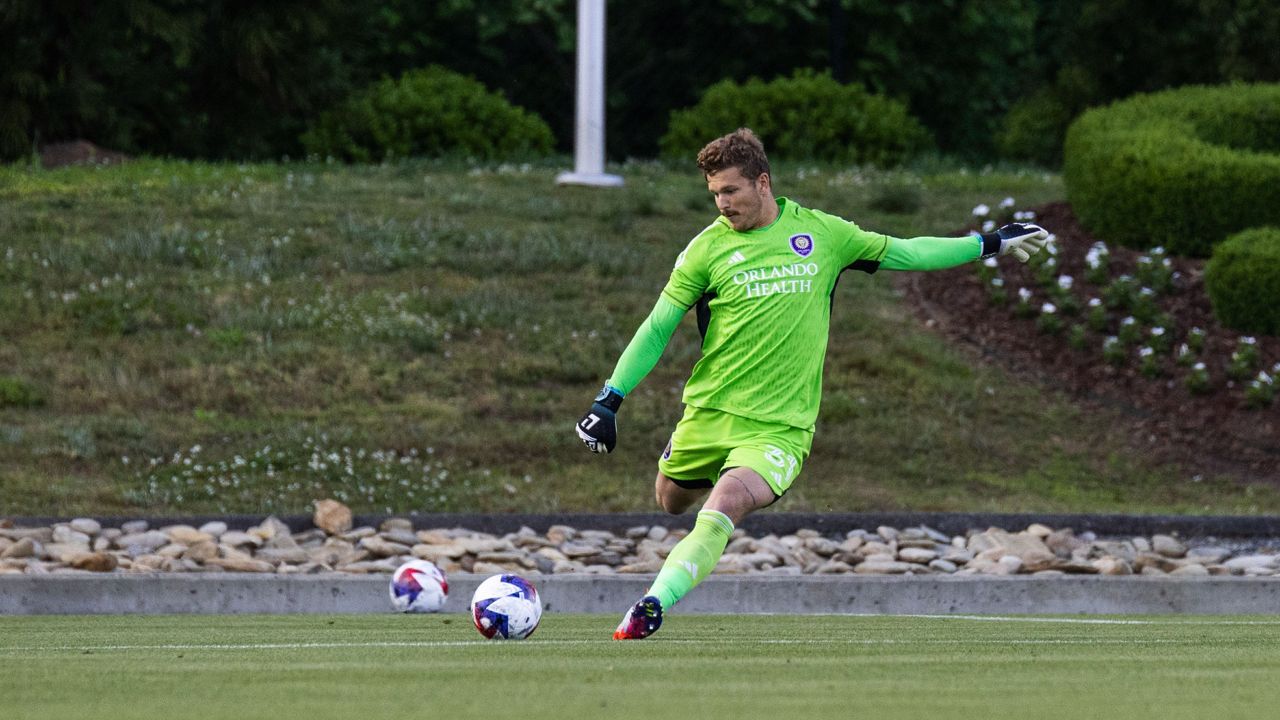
431, 112
1243, 281
1183, 168
807, 116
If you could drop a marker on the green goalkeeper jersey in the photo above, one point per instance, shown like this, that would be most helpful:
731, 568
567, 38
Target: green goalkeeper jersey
763, 299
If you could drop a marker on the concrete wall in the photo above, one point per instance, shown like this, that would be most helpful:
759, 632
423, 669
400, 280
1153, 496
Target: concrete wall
233, 593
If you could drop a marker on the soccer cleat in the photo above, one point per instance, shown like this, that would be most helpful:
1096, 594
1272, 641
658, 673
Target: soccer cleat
641, 621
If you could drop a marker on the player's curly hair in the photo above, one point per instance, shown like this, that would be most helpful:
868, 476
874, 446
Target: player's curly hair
741, 149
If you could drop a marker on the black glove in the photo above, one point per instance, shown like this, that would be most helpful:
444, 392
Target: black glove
598, 428
1022, 240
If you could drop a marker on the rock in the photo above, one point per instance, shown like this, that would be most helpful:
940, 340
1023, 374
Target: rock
65, 535
142, 543
396, 523
332, 517
1031, 550
1242, 563
23, 548
889, 534
1063, 542
88, 526
1038, 530
560, 534
236, 538
186, 535
942, 566
133, 527
1112, 566
885, 567
214, 528
270, 528
917, 555
1208, 555
94, 562
400, 535
294, 555
239, 565
382, 548
1191, 570
201, 551
1168, 546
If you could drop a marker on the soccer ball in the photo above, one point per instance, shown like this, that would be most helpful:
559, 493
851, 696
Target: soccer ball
418, 586
506, 607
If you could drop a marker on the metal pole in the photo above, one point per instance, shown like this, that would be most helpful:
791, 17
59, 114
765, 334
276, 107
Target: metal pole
588, 141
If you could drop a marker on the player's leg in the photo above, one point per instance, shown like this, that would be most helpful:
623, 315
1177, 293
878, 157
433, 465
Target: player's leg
676, 496
755, 474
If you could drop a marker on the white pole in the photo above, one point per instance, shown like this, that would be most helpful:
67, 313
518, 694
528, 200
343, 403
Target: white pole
588, 139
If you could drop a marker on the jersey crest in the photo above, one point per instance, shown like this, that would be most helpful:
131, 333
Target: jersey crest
802, 244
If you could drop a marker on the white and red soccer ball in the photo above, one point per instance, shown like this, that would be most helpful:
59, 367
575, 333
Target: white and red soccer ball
418, 586
506, 607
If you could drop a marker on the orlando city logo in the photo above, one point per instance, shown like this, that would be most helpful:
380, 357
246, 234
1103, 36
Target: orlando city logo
802, 244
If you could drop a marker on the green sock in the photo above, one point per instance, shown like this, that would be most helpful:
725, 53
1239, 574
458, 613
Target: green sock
693, 558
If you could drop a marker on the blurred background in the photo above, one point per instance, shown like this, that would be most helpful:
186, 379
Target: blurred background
228, 79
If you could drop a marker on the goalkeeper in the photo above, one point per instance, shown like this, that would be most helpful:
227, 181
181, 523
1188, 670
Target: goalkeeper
760, 280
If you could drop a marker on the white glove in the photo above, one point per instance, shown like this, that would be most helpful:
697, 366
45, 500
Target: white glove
1021, 240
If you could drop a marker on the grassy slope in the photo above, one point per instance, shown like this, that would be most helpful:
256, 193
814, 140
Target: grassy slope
712, 666
220, 338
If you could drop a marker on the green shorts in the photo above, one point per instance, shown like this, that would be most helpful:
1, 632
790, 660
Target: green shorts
707, 442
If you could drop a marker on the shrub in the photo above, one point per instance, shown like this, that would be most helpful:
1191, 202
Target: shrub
1242, 280
1182, 168
808, 116
431, 112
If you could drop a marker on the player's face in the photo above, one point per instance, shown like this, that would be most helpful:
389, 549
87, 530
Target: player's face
748, 204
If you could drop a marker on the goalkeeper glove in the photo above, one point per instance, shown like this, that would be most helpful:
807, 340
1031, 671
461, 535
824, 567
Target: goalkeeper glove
1021, 240
598, 428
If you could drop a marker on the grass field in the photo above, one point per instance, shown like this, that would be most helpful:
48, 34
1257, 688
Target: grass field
200, 338
320, 667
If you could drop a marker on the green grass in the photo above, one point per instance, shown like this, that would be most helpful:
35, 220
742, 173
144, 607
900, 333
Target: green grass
211, 338
706, 666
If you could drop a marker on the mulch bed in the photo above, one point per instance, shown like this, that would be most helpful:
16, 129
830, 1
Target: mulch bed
1204, 433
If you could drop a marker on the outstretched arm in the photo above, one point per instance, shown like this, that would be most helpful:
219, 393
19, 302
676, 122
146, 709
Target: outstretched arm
1021, 240
598, 427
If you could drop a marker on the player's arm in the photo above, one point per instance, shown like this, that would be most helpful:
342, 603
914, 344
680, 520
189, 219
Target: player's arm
1022, 240
598, 427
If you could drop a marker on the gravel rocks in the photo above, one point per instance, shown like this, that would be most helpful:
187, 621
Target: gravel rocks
83, 545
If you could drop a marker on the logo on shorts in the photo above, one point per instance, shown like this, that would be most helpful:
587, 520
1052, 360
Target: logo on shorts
802, 244
666, 454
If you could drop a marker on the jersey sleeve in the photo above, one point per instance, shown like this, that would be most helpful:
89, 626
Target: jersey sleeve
858, 249
689, 278
645, 348
931, 253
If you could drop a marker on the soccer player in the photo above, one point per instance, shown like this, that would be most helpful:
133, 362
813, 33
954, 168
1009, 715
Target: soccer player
760, 279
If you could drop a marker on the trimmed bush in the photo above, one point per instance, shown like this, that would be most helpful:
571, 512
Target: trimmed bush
1243, 281
428, 113
1182, 168
808, 116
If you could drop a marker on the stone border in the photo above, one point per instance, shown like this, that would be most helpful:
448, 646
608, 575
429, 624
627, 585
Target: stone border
237, 593
779, 523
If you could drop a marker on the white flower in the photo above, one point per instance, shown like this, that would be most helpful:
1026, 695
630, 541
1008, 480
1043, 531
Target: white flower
981, 211
991, 262
1157, 331
988, 226
1048, 308
1006, 203
1264, 378
997, 282
1111, 341
1095, 302
1248, 340
1024, 294
1184, 349
1128, 321
1199, 366
1065, 282
1146, 352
